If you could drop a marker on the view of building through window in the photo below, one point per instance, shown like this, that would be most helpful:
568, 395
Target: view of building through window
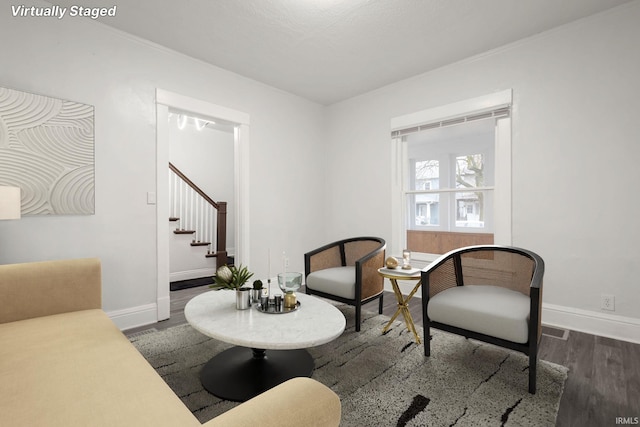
451, 178
470, 204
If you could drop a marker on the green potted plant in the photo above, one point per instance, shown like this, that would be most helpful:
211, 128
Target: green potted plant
232, 277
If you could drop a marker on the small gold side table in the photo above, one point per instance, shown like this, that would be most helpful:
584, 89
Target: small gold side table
403, 303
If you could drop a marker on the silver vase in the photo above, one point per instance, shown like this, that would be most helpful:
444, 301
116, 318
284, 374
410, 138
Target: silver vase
243, 298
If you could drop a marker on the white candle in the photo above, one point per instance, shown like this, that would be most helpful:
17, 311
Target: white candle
269, 273
284, 270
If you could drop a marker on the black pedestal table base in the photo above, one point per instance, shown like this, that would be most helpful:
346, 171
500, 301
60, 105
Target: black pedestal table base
241, 373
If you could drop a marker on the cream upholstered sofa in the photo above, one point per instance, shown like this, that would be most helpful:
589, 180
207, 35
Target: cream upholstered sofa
63, 362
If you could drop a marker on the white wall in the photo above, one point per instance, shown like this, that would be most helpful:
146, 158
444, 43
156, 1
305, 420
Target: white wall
575, 147
81, 60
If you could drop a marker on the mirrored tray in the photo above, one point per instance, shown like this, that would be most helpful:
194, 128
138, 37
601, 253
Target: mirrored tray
271, 309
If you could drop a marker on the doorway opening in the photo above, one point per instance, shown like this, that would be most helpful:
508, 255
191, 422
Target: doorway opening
202, 198
221, 120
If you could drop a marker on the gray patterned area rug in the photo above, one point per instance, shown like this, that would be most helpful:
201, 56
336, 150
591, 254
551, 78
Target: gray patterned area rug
385, 380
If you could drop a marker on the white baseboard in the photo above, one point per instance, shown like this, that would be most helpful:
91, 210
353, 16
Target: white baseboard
591, 322
594, 323
191, 274
134, 316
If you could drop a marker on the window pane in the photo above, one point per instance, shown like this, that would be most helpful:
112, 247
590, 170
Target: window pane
427, 209
449, 165
470, 209
469, 171
427, 175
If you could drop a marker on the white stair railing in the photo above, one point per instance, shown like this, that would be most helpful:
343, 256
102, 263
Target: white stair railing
198, 214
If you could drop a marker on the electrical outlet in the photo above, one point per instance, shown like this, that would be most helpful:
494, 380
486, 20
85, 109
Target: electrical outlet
285, 261
608, 302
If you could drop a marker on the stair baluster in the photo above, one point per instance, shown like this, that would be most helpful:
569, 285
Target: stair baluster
198, 214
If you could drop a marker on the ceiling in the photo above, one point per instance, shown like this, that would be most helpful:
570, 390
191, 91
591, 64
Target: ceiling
331, 50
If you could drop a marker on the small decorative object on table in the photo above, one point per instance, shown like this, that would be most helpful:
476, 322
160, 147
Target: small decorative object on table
243, 298
391, 262
287, 303
289, 283
290, 300
232, 277
264, 301
267, 290
256, 292
406, 259
277, 307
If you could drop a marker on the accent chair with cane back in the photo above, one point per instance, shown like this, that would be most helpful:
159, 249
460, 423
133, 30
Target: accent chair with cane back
347, 271
489, 293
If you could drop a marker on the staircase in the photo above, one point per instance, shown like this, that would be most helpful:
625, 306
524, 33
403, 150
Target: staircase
194, 213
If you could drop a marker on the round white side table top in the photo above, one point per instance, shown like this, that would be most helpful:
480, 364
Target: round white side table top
314, 323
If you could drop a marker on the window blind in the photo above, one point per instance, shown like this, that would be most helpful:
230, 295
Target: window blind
493, 114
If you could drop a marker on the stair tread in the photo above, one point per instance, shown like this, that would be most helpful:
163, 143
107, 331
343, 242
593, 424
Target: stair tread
200, 243
184, 231
173, 218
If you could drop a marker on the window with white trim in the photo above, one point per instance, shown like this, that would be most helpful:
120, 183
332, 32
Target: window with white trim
452, 176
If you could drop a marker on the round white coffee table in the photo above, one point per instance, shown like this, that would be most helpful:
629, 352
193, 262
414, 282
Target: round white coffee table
269, 347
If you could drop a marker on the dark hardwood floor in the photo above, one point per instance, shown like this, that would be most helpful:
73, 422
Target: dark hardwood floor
603, 386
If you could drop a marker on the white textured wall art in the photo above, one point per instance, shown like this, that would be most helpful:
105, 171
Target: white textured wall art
46, 149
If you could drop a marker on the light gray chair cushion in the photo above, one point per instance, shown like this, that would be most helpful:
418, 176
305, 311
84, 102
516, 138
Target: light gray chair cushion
339, 281
489, 310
